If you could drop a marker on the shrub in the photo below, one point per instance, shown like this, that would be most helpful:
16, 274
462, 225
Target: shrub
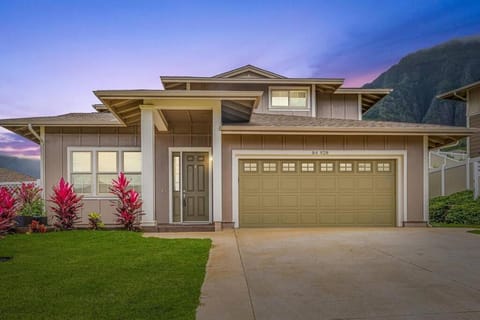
66, 204
29, 200
95, 221
128, 207
457, 208
7, 211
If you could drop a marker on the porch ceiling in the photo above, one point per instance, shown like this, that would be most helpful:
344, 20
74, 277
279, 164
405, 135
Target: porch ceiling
187, 116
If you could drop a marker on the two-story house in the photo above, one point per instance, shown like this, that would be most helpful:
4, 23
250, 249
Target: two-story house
245, 148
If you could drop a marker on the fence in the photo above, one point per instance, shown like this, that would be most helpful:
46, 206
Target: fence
13, 185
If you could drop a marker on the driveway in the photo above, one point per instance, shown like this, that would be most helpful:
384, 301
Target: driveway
368, 273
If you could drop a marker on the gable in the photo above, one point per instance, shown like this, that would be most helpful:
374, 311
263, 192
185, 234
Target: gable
249, 71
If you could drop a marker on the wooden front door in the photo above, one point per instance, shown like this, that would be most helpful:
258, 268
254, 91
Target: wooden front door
195, 185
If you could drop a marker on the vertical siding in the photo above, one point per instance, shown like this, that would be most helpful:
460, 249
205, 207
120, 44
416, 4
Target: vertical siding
474, 101
474, 122
337, 106
413, 145
57, 140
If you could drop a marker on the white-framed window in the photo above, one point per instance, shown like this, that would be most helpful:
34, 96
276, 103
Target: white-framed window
308, 166
288, 166
364, 167
249, 167
383, 167
91, 170
326, 166
269, 167
289, 98
345, 167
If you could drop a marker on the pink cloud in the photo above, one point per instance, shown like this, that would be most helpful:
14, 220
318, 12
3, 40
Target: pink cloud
361, 79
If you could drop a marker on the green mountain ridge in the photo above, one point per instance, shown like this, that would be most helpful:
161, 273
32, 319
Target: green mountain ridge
29, 167
419, 77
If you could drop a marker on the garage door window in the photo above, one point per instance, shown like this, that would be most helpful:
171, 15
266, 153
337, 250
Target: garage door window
269, 167
364, 167
383, 167
308, 167
288, 167
326, 167
250, 167
345, 167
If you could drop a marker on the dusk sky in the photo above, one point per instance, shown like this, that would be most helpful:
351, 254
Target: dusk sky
54, 53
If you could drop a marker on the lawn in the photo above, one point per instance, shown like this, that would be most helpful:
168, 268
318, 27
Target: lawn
100, 275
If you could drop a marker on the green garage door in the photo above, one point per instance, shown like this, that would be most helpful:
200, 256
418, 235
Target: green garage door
293, 193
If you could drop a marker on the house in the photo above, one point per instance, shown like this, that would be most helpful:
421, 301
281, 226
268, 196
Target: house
470, 94
245, 148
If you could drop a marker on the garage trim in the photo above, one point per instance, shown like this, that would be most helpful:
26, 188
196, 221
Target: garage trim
399, 155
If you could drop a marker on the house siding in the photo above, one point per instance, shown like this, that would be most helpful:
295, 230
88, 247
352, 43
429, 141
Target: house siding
57, 140
329, 105
413, 145
474, 122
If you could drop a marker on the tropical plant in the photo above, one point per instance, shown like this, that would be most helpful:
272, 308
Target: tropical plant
66, 204
129, 205
95, 221
29, 200
7, 211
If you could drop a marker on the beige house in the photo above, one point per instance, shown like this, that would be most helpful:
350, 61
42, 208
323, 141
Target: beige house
245, 148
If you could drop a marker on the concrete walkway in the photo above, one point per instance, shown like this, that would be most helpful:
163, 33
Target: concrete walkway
350, 273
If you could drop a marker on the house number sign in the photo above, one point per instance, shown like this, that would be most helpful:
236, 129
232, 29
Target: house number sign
319, 153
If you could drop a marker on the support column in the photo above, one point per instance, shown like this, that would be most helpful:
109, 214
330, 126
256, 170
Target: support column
426, 176
148, 167
217, 165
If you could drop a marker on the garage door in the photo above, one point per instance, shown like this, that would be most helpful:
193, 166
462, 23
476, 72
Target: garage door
290, 193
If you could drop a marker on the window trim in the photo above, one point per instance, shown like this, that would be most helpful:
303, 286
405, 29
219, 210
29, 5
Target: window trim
94, 151
289, 108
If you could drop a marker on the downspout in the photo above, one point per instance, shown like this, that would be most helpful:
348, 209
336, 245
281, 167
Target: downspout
41, 139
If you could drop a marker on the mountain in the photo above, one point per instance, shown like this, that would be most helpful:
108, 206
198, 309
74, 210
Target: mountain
26, 166
420, 76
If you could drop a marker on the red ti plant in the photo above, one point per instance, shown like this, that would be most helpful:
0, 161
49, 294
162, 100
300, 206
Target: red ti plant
66, 204
129, 205
7, 211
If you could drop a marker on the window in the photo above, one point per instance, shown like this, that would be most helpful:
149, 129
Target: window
326, 166
176, 172
308, 167
92, 171
288, 167
249, 167
269, 167
364, 167
345, 167
289, 98
383, 167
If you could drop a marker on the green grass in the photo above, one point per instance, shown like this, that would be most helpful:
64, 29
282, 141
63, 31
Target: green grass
100, 275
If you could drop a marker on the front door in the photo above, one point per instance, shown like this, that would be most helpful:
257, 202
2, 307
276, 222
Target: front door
191, 197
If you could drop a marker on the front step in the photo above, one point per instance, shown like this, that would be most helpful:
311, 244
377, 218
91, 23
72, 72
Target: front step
185, 227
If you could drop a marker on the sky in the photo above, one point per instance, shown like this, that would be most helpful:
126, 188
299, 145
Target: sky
53, 54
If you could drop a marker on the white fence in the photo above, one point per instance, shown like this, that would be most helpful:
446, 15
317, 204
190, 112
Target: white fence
453, 172
13, 185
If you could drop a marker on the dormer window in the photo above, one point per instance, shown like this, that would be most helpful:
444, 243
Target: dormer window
294, 98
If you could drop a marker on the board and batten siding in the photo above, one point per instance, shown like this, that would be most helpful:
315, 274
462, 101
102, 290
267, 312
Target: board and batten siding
179, 135
412, 144
57, 140
337, 106
474, 122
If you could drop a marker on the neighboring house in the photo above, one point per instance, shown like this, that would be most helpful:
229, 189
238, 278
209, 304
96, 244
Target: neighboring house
245, 148
469, 178
8, 176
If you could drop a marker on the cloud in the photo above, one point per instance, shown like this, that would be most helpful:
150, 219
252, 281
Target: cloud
14, 145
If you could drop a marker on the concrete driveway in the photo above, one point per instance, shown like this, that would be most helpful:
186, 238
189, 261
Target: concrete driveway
397, 273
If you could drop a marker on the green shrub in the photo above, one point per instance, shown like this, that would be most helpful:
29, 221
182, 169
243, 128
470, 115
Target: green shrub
457, 208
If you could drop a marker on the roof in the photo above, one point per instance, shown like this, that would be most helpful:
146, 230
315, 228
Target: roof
459, 94
286, 124
8, 175
94, 119
249, 70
